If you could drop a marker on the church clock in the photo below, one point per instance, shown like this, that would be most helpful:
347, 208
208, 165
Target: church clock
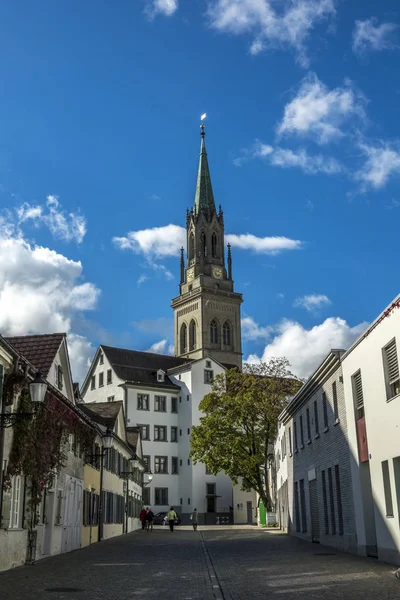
217, 272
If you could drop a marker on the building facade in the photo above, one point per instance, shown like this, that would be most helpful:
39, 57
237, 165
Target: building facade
372, 391
316, 500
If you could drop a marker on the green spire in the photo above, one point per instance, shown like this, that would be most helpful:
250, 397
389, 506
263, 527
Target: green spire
204, 198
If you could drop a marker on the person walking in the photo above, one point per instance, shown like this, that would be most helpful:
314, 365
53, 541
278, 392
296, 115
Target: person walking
142, 517
149, 519
171, 518
194, 517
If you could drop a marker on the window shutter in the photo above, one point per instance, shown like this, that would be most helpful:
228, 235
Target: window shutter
358, 390
392, 363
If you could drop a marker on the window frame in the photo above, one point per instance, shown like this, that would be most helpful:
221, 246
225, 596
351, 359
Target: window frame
109, 376
16, 497
157, 437
174, 465
174, 434
392, 382
140, 398
161, 465
335, 402
160, 491
208, 376
174, 404
144, 437
93, 382
160, 403
101, 379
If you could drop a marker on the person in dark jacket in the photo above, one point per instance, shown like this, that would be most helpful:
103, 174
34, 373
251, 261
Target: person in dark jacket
142, 517
149, 519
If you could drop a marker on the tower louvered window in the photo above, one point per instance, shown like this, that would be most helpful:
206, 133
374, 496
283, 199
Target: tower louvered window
213, 332
392, 369
226, 331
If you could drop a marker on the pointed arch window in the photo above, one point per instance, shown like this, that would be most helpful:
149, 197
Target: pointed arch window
183, 338
191, 246
214, 332
214, 244
203, 244
192, 335
227, 334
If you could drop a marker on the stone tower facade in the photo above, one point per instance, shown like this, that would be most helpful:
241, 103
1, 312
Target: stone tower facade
207, 310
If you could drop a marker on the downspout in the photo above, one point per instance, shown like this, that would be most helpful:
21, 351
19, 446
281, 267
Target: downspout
2, 436
100, 529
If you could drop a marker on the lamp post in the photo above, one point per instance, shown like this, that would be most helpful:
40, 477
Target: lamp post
107, 443
37, 392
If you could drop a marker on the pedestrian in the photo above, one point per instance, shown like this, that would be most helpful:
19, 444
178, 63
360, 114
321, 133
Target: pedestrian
171, 518
194, 517
142, 517
149, 519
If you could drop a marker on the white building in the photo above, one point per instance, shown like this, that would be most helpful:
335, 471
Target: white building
372, 391
281, 453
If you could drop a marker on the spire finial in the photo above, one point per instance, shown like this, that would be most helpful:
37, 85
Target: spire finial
203, 133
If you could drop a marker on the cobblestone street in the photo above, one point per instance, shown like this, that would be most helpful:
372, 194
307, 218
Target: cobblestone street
230, 564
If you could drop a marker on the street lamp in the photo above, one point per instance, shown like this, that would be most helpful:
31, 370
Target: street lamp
37, 392
107, 440
149, 475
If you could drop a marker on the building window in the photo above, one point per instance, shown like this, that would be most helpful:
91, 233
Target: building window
101, 358
208, 364
308, 425
316, 424
183, 338
301, 432
290, 441
188, 397
325, 502
303, 507
189, 501
15, 514
146, 460
203, 244
93, 382
180, 432
331, 502
325, 410
174, 465
211, 494
160, 433
174, 405
296, 506
391, 365
59, 377
358, 396
101, 379
214, 245
208, 376
296, 447
110, 398
143, 402
174, 434
161, 464
188, 430
145, 431
160, 403
189, 461
226, 334
339, 500
335, 402
109, 376
213, 332
192, 335
180, 462
161, 496
387, 488
146, 496
208, 472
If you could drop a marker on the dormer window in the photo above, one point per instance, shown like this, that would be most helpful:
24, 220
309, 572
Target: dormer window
160, 376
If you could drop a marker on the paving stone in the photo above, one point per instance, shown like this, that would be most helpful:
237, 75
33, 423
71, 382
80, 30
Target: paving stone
211, 564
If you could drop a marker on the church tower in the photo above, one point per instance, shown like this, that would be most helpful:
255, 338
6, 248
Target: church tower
207, 310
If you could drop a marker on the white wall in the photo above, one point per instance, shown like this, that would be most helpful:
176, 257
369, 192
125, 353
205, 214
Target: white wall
383, 433
100, 394
61, 359
240, 500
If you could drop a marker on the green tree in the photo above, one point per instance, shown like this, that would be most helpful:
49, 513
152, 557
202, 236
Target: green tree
240, 422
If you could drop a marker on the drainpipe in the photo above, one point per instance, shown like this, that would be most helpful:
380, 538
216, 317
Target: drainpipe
2, 436
100, 528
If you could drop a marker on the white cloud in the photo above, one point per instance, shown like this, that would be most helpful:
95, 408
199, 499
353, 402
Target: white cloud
156, 242
312, 302
142, 279
80, 352
368, 35
252, 330
266, 245
161, 347
311, 164
161, 7
306, 348
40, 290
382, 161
68, 227
319, 112
286, 28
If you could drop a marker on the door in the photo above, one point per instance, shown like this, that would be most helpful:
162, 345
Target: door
314, 511
72, 522
249, 513
48, 521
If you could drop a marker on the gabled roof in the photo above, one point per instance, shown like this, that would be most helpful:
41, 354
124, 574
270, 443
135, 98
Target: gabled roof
132, 436
105, 413
40, 350
137, 367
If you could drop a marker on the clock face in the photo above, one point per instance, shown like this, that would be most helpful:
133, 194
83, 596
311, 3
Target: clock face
217, 272
190, 275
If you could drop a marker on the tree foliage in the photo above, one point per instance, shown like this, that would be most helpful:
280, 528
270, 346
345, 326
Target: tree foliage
240, 422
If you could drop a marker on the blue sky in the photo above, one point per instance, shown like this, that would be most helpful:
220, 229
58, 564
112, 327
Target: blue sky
99, 149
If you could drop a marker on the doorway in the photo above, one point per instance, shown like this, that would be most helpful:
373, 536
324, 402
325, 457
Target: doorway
249, 513
314, 511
